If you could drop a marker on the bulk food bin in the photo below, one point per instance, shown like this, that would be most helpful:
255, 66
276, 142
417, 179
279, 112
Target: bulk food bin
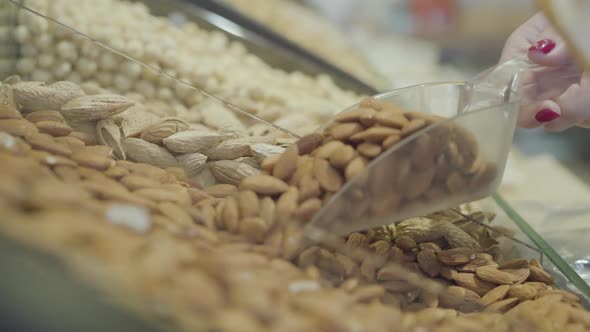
138, 234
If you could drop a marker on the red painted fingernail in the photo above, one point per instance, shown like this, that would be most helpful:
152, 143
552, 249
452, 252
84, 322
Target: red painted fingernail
544, 46
546, 115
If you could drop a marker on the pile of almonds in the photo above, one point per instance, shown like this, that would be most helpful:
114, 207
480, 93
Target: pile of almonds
230, 258
208, 60
206, 156
443, 163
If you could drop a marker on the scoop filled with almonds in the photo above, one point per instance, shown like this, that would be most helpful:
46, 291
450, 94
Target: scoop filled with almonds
406, 153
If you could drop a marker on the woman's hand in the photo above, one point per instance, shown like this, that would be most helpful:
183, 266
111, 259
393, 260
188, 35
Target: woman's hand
568, 103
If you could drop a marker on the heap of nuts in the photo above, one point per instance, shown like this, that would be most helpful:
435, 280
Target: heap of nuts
443, 163
206, 60
229, 258
207, 156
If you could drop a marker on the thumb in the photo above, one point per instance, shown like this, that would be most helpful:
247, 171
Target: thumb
574, 106
549, 50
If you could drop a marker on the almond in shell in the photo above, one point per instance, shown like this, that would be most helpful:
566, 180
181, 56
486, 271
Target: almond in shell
231, 171
95, 107
163, 129
192, 163
109, 134
142, 151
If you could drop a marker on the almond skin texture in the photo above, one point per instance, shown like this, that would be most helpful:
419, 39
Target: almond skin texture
264, 184
327, 176
287, 163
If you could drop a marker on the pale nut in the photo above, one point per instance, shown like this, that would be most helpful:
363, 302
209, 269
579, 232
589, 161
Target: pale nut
264, 185
286, 165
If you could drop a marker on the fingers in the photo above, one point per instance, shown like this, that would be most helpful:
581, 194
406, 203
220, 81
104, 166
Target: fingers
569, 109
549, 49
574, 107
538, 113
523, 37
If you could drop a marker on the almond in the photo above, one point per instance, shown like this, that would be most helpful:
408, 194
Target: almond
502, 306
355, 168
456, 256
267, 211
269, 162
456, 183
163, 129
45, 142
287, 204
326, 150
308, 208
405, 243
412, 127
345, 130
494, 275
192, 163
176, 214
342, 156
460, 299
254, 228
248, 203
538, 274
135, 182
370, 102
494, 295
375, 134
232, 172
95, 107
369, 150
38, 116
264, 185
92, 160
520, 275
8, 109
36, 96
350, 116
230, 214
54, 128
428, 263
142, 151
308, 188
228, 149
522, 292
286, 164
261, 151
84, 137
309, 143
390, 141
517, 263
108, 133
391, 119
220, 190
327, 176
473, 283
192, 141
422, 230
18, 127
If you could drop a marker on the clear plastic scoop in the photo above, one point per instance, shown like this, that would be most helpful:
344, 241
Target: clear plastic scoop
458, 157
